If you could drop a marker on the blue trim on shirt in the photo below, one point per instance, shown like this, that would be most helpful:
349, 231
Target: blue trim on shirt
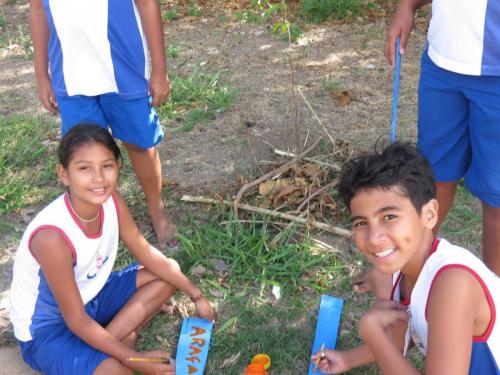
490, 64
55, 55
127, 50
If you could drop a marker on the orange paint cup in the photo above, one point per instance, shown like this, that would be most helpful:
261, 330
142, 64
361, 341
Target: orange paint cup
255, 369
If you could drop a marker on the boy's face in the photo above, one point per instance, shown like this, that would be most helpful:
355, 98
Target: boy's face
388, 229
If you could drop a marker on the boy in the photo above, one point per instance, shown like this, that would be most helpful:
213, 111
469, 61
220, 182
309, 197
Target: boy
459, 103
451, 296
99, 73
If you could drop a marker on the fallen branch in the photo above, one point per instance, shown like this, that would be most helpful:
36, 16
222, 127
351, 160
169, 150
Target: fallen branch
334, 167
313, 223
319, 191
270, 175
327, 132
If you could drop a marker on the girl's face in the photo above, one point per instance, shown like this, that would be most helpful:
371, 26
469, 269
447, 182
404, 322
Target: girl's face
92, 174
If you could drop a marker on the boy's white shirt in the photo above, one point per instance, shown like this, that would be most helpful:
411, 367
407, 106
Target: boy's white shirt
456, 35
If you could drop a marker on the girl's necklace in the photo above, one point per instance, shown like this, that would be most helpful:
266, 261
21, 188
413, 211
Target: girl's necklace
80, 218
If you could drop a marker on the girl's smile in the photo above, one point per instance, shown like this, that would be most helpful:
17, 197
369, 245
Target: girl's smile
91, 177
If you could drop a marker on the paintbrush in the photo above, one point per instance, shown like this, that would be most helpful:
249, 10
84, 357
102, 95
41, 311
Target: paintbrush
319, 358
145, 359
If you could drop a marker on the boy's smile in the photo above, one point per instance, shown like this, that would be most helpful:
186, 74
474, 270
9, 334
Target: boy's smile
389, 231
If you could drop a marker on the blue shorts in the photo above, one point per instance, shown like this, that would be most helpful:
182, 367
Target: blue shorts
131, 120
55, 350
459, 128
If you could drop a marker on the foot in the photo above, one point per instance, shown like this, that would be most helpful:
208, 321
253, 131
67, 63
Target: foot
372, 280
165, 229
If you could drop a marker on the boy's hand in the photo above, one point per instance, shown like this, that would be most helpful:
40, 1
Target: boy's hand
47, 96
159, 88
205, 309
331, 361
401, 26
153, 368
382, 314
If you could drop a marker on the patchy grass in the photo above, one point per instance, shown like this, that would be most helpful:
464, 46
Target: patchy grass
317, 11
195, 100
15, 38
27, 162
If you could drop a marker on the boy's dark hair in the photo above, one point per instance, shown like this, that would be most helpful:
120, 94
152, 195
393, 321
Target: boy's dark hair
83, 134
399, 165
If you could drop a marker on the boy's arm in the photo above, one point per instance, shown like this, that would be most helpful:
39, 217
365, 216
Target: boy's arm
454, 303
40, 38
154, 261
152, 24
401, 26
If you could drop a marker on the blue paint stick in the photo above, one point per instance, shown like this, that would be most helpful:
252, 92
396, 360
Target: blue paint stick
327, 327
193, 346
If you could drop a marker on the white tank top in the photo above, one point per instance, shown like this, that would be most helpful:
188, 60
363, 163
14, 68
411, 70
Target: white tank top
464, 36
485, 357
32, 304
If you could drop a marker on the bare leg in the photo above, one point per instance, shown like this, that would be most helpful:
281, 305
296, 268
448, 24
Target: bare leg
147, 167
491, 237
445, 193
145, 303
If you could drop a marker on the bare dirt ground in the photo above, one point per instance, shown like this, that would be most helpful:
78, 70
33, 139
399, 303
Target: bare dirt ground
329, 59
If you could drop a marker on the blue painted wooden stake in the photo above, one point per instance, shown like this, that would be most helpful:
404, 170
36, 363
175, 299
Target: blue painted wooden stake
330, 310
193, 346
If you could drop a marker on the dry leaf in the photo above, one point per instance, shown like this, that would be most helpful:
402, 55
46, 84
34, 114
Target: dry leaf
198, 270
229, 362
26, 214
219, 264
216, 293
267, 187
342, 98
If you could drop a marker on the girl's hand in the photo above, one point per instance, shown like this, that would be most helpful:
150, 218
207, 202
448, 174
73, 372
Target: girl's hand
381, 315
331, 361
153, 368
204, 309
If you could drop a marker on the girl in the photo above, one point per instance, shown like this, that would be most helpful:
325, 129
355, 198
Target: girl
71, 314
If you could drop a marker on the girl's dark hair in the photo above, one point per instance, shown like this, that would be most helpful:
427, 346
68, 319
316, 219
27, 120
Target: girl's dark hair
398, 165
83, 134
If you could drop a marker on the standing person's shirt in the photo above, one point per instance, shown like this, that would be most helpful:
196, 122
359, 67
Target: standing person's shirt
485, 356
464, 36
97, 47
32, 304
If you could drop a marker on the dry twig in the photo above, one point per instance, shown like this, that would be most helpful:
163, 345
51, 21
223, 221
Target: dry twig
313, 223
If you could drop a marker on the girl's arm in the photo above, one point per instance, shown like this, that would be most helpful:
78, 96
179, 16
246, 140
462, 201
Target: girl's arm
54, 256
40, 39
152, 24
154, 261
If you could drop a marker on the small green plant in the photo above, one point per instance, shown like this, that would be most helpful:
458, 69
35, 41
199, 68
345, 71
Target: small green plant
194, 11
284, 27
196, 99
260, 11
317, 11
173, 52
170, 15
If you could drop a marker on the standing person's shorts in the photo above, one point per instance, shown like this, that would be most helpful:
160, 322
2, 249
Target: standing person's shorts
56, 350
132, 121
459, 128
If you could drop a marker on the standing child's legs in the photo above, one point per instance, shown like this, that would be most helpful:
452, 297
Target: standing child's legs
147, 167
445, 193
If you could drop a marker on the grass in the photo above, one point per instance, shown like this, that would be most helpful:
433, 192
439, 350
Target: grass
195, 99
27, 162
317, 11
170, 15
18, 40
